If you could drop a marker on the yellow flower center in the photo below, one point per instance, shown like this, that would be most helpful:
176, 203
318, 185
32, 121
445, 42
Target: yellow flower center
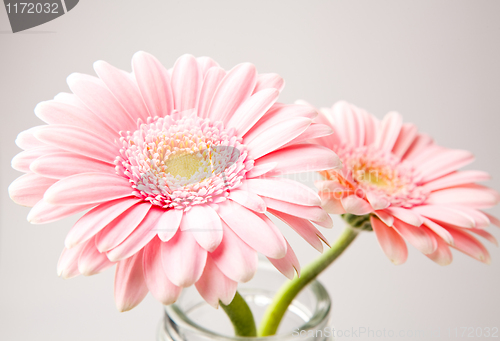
180, 161
184, 165
374, 177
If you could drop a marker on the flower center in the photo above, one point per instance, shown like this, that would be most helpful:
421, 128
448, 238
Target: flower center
381, 173
184, 165
182, 160
373, 176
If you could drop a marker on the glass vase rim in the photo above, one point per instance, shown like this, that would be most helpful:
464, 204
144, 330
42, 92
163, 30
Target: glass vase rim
320, 313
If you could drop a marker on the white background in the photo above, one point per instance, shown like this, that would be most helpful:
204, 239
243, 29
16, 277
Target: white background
436, 62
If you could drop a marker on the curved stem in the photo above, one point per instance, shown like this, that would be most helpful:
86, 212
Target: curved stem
241, 316
278, 307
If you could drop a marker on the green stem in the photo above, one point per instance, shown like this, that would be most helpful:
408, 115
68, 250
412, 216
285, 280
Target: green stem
241, 316
278, 307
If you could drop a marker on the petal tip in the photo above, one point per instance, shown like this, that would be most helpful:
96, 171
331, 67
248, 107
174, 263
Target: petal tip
398, 261
72, 78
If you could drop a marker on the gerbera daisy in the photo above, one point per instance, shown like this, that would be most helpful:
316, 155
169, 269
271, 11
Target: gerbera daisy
177, 169
404, 186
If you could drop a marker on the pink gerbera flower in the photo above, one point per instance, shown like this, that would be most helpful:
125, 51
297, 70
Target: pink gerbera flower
404, 186
178, 168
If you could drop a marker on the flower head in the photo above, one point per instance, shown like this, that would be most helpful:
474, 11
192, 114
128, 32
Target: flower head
176, 170
406, 185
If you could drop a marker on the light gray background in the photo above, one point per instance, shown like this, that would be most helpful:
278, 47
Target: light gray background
436, 62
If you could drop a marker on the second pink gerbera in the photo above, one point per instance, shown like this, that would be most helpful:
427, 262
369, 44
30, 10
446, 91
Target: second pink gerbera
404, 186
178, 170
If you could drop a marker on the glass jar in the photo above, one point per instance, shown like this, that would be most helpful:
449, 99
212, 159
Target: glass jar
307, 318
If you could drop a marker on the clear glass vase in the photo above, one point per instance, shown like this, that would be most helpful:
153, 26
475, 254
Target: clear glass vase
192, 319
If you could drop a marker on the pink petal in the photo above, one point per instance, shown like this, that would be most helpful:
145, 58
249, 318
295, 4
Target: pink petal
406, 215
269, 80
88, 188
43, 213
408, 134
60, 165
260, 169
421, 238
442, 255
29, 189
304, 228
313, 213
469, 245
337, 117
276, 136
232, 91
349, 122
284, 190
372, 125
205, 225
212, 80
494, 220
445, 215
329, 141
486, 235
421, 142
122, 85
27, 140
474, 197
456, 179
355, 205
253, 229
391, 242
91, 261
121, 227
377, 202
185, 82
480, 219
70, 99
430, 152
168, 224
314, 131
234, 257
78, 140
386, 218
280, 113
443, 164
205, 64
96, 97
156, 280
24, 159
67, 266
130, 286
154, 84
389, 131
301, 158
141, 236
439, 230
96, 219
213, 285
287, 265
251, 110
183, 259
331, 203
55, 112
249, 200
